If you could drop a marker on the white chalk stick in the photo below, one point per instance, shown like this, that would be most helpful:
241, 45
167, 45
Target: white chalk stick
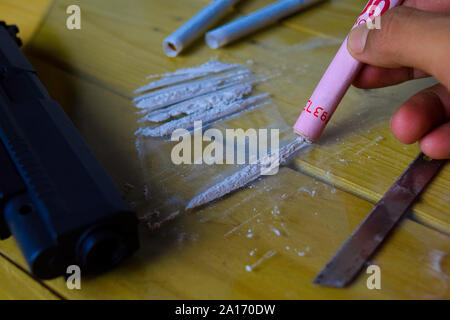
196, 26
255, 21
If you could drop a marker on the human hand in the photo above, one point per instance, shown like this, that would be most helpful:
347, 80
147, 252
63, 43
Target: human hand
413, 42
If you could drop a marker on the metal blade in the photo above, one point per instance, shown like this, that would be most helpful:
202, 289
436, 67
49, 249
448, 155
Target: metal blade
362, 243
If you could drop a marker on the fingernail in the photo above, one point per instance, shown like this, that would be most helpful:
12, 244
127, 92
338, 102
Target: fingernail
357, 39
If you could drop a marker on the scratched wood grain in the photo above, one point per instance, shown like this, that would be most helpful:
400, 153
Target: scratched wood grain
16, 284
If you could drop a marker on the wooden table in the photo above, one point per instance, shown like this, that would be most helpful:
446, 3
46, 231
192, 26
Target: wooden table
321, 197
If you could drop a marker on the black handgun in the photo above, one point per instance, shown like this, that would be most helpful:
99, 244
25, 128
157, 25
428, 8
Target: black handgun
55, 198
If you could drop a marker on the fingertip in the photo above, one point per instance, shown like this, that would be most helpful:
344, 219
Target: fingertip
404, 125
436, 144
417, 116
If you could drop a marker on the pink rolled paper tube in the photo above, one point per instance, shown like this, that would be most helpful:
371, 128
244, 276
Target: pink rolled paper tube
336, 80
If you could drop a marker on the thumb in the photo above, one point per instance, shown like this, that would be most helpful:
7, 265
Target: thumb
408, 38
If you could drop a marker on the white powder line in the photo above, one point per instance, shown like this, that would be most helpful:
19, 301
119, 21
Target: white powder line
214, 79
247, 174
196, 105
240, 225
165, 97
187, 74
210, 66
370, 144
207, 116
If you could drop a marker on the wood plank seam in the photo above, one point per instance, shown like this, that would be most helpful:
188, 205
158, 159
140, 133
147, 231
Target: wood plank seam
31, 277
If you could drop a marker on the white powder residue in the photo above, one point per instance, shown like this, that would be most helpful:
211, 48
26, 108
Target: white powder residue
187, 122
210, 92
269, 254
247, 174
241, 224
200, 104
167, 96
303, 189
370, 144
275, 211
182, 75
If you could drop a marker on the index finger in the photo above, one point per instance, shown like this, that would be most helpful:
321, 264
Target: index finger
376, 77
408, 38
